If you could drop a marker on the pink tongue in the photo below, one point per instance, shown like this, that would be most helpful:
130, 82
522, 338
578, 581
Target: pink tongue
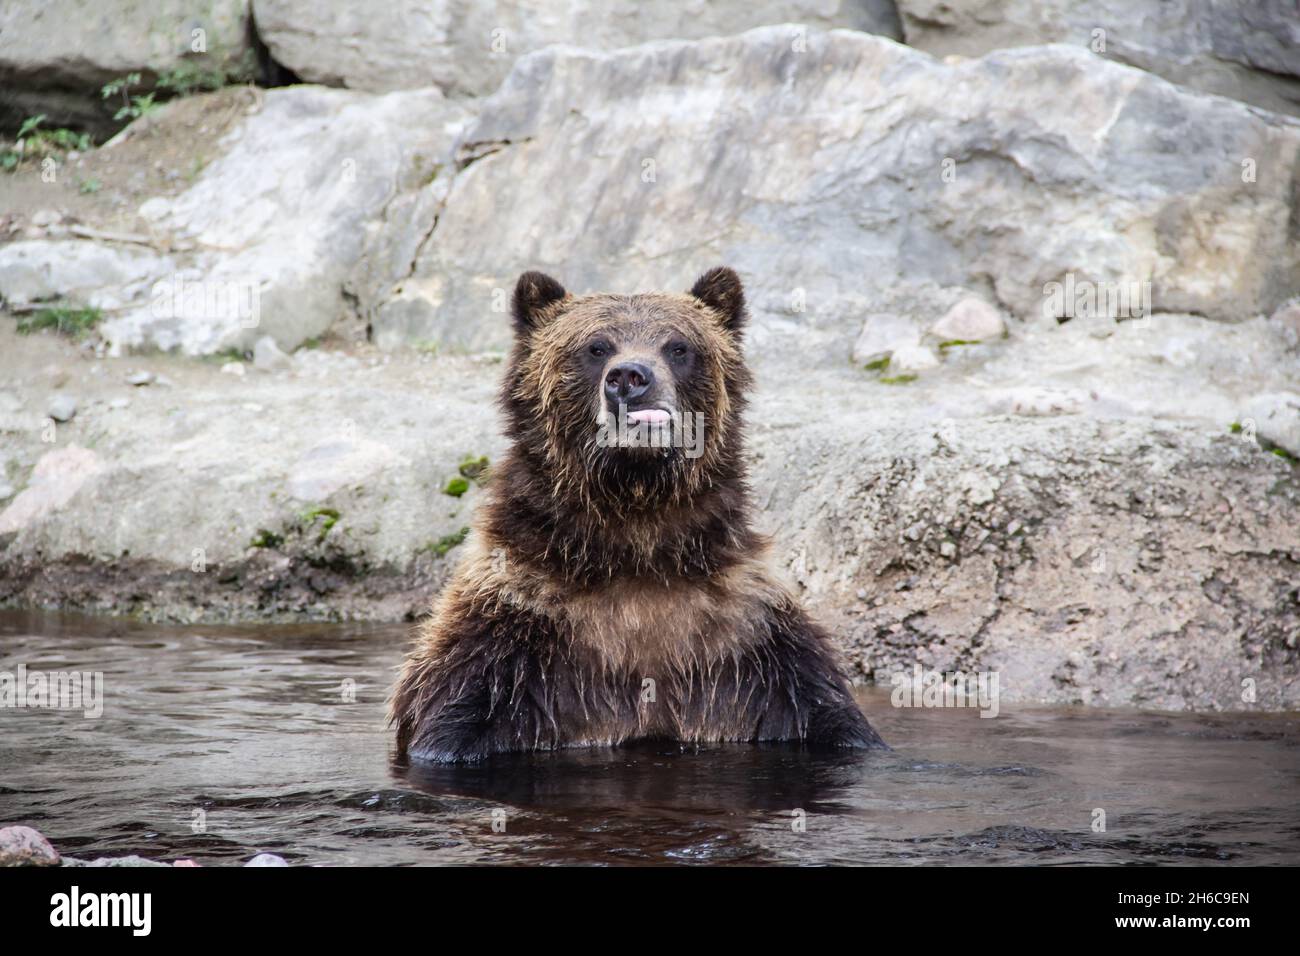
650, 416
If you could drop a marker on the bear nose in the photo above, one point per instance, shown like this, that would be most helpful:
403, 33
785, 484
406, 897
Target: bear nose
628, 381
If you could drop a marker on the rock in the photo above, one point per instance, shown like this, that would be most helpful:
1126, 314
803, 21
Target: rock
313, 210
23, 846
61, 407
184, 863
913, 358
232, 368
266, 859
140, 378
78, 270
970, 320
131, 861
1276, 419
119, 403
1039, 163
45, 217
881, 335
1246, 49
56, 479
466, 47
6, 490
152, 210
56, 55
268, 356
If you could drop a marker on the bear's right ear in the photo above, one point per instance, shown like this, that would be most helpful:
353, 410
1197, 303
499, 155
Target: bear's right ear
533, 293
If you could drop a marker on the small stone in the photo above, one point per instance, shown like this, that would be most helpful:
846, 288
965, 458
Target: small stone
266, 859
970, 320
184, 863
913, 358
62, 407
119, 403
46, 217
23, 846
140, 378
948, 549
882, 334
6, 490
268, 356
154, 209
233, 368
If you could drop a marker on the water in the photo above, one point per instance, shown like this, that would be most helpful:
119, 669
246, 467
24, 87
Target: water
247, 730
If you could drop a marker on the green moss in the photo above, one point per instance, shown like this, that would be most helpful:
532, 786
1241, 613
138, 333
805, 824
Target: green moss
474, 468
65, 321
447, 542
953, 343
456, 487
266, 539
1283, 454
331, 516
898, 379
1235, 428
879, 365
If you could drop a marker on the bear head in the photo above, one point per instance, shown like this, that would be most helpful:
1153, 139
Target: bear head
628, 399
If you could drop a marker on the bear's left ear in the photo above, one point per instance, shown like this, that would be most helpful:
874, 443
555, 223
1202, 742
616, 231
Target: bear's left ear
533, 293
720, 289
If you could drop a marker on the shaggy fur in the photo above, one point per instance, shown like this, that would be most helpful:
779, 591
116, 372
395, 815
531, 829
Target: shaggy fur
617, 593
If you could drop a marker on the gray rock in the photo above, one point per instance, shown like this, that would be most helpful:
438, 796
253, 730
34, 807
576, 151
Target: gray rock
61, 407
140, 378
466, 47
268, 356
24, 846
55, 55
1246, 49
266, 859
970, 320
78, 270
1037, 164
291, 223
882, 334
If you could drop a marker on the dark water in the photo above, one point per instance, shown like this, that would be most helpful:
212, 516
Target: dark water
251, 727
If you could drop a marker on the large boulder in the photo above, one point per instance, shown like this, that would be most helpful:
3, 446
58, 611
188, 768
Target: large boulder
55, 55
315, 205
466, 47
1246, 49
851, 176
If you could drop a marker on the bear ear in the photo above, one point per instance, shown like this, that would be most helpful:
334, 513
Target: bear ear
720, 290
533, 293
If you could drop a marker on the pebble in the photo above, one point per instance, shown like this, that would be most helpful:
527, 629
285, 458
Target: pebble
23, 846
140, 378
268, 356
62, 407
233, 368
970, 320
266, 859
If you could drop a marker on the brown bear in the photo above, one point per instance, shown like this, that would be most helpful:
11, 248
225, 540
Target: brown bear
613, 588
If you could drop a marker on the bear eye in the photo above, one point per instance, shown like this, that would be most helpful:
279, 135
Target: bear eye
678, 349
598, 349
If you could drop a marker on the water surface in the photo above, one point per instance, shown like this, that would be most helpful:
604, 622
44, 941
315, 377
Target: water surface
219, 743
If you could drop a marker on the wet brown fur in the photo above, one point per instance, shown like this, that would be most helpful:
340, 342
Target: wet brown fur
608, 595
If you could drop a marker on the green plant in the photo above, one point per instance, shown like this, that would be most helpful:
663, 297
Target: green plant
456, 487
89, 186
134, 105
447, 542
266, 539
34, 141
330, 515
879, 365
473, 468
898, 379
64, 320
